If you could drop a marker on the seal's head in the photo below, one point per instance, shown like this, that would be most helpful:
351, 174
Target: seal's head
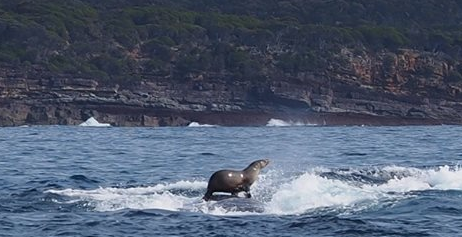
258, 164
263, 163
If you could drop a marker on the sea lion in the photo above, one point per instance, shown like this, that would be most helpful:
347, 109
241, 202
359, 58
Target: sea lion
234, 181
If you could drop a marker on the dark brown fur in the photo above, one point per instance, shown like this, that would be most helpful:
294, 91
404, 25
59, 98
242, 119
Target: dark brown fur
233, 181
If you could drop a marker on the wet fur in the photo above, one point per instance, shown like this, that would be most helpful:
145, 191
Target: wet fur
238, 181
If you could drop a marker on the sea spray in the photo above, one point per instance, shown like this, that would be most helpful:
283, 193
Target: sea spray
279, 194
311, 191
160, 196
282, 123
199, 125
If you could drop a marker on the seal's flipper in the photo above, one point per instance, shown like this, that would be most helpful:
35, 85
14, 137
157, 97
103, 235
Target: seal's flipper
207, 195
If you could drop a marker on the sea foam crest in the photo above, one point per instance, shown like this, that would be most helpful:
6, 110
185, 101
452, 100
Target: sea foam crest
310, 191
278, 194
159, 196
92, 122
281, 123
197, 125
441, 178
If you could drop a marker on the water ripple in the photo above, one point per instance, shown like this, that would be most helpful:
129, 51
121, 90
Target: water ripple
322, 181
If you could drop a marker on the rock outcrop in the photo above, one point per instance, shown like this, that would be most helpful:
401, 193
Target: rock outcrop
159, 63
407, 87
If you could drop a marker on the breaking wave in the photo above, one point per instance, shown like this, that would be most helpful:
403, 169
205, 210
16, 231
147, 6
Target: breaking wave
196, 125
276, 194
281, 123
92, 122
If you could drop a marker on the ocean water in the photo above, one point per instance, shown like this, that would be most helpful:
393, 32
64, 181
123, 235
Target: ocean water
322, 181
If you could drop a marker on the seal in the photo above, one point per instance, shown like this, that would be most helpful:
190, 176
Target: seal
234, 181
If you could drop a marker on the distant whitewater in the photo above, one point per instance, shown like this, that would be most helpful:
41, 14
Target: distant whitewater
196, 125
281, 123
92, 122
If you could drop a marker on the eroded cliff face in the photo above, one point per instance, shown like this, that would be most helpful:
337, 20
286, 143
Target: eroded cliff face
407, 84
407, 87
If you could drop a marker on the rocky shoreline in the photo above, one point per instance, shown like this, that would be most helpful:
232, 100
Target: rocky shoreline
170, 63
40, 97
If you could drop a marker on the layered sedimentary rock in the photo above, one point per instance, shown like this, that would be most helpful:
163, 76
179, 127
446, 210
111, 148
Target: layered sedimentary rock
405, 87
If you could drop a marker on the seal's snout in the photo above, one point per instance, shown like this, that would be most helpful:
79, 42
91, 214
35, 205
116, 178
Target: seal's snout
264, 162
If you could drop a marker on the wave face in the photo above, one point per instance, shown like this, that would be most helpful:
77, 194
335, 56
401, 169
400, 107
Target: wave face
311, 191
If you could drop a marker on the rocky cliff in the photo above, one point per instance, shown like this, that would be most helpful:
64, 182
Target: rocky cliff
169, 63
408, 87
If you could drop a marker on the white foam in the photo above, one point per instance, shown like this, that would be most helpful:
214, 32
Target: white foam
278, 194
92, 122
183, 184
155, 197
281, 123
189, 185
445, 178
311, 191
196, 124
221, 211
440, 178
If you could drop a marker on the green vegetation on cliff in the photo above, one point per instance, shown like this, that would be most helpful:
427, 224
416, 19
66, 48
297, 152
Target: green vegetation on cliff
125, 40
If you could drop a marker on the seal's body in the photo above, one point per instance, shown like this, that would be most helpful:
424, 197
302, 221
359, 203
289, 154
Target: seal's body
233, 181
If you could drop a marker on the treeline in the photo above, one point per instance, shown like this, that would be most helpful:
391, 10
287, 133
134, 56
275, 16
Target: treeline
129, 39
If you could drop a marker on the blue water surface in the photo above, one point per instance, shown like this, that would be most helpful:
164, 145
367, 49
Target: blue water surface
322, 181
